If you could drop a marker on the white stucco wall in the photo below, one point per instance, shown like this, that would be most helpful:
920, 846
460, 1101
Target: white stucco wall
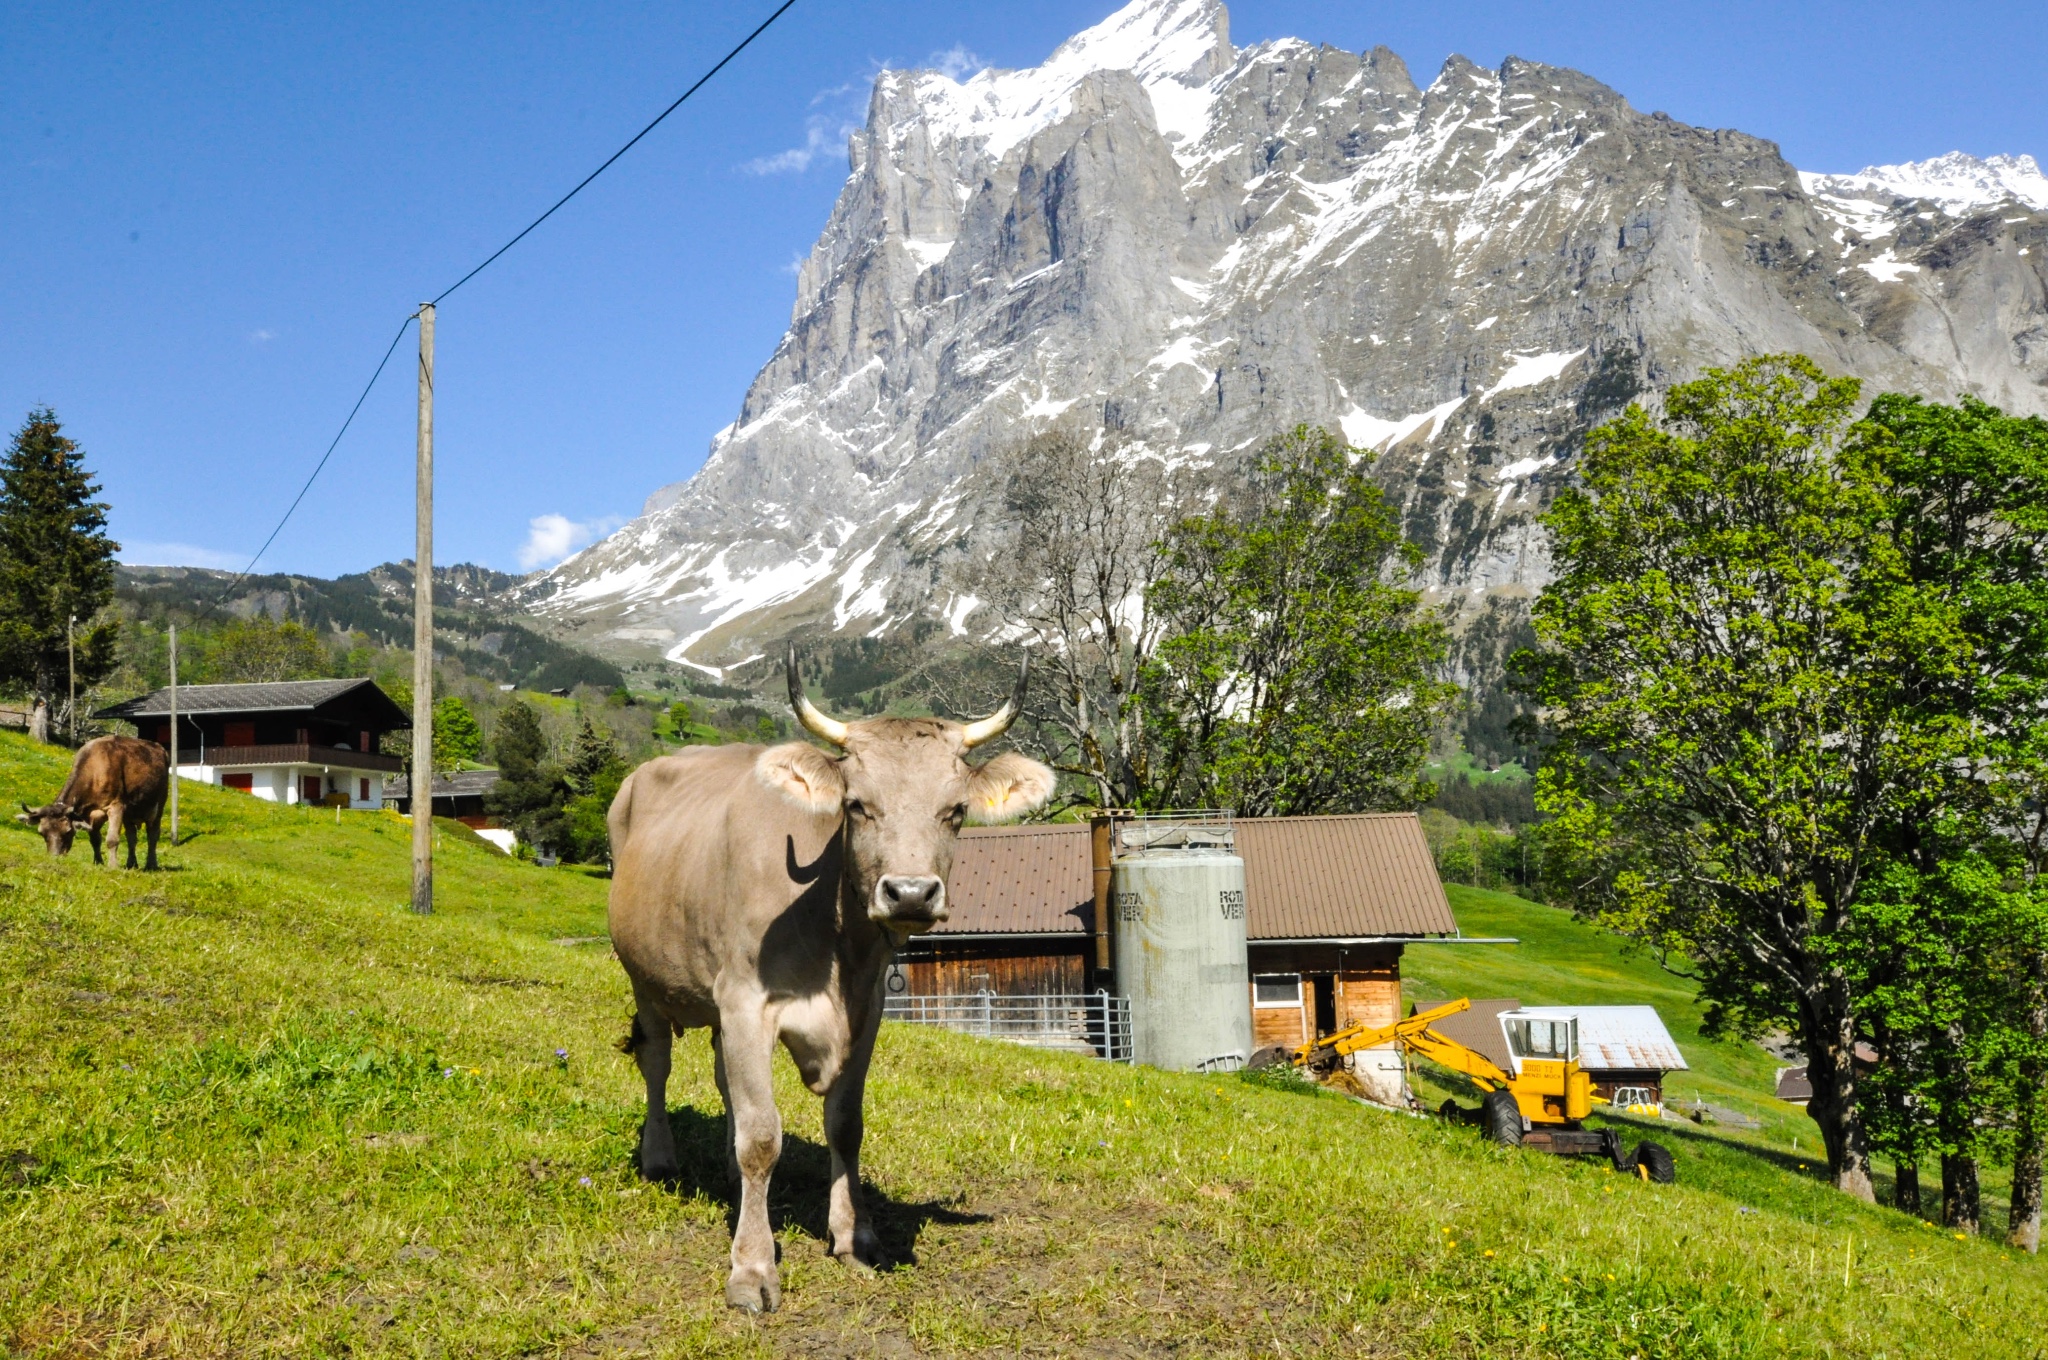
280, 783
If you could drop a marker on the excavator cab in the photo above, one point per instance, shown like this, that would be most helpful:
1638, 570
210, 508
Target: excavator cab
1548, 1084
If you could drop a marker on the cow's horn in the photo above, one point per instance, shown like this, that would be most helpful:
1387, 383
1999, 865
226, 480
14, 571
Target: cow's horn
998, 722
816, 723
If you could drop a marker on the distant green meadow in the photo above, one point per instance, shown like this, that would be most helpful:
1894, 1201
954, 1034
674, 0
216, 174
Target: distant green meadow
251, 1105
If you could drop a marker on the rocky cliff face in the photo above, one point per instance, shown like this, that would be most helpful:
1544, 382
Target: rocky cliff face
1200, 245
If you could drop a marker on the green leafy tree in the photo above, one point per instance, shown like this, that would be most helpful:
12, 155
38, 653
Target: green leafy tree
56, 564
262, 648
457, 738
1727, 752
531, 792
1956, 946
1296, 674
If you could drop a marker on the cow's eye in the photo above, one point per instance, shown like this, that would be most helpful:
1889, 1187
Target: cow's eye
856, 808
957, 814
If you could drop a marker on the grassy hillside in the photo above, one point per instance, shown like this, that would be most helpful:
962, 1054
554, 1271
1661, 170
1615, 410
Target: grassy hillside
252, 1106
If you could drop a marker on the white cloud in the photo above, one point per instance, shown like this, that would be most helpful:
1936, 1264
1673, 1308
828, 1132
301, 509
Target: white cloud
260, 336
822, 136
956, 62
550, 538
181, 555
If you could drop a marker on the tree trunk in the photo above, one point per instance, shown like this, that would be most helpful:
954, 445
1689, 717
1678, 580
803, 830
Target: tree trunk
39, 721
1959, 1198
1906, 1189
1830, 1036
2024, 1228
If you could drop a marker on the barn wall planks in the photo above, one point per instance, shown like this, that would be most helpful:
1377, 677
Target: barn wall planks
1006, 968
1363, 983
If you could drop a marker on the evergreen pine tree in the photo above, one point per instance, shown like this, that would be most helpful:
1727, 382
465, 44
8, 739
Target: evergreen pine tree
56, 563
595, 753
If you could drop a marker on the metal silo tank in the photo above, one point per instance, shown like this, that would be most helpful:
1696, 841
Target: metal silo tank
1178, 892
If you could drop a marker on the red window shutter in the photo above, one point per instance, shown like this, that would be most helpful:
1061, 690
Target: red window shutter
241, 782
240, 734
364, 797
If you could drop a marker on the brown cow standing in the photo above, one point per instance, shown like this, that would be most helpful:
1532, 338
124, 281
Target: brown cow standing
762, 892
116, 784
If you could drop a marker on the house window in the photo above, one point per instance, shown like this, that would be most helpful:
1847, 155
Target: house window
241, 783
1276, 989
240, 734
364, 796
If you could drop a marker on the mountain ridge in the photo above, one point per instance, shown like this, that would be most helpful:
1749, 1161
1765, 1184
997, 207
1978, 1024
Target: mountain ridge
1199, 245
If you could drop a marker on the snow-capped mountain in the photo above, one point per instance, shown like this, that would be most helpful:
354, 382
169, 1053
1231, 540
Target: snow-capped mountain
1200, 245
1957, 184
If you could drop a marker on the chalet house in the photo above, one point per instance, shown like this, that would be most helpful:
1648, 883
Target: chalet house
1331, 902
289, 741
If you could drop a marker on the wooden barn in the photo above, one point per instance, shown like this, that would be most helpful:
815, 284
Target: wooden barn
1331, 902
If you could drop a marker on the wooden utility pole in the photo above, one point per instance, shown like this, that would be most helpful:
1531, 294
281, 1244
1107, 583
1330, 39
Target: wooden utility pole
174, 734
71, 664
423, 636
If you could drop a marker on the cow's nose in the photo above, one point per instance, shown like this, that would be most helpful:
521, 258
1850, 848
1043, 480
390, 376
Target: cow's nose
920, 898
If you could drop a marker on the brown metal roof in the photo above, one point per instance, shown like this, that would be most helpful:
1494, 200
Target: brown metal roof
1014, 880
1306, 878
1339, 877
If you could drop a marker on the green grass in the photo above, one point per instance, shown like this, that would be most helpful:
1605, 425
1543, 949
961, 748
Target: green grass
253, 1106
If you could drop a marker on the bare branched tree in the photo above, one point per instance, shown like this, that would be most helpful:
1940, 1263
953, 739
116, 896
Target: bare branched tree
1080, 518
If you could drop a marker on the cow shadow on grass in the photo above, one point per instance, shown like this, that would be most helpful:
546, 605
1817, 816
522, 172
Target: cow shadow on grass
799, 1192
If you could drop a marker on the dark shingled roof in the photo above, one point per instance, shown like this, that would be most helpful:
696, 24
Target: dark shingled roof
460, 784
1306, 878
274, 696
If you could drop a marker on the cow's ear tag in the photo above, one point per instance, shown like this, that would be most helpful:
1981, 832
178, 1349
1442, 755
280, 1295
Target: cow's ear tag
1008, 786
804, 775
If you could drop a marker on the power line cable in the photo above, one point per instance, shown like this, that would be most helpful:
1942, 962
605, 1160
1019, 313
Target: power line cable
744, 42
581, 185
332, 444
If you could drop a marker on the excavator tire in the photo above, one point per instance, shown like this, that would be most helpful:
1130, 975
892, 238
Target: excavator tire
1655, 1159
1501, 1118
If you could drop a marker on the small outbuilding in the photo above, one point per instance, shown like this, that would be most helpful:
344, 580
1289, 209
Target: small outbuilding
288, 741
458, 794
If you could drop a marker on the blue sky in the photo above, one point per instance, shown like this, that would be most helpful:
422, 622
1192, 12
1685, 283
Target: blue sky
215, 216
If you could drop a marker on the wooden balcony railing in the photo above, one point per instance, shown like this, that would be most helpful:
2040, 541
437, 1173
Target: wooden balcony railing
301, 753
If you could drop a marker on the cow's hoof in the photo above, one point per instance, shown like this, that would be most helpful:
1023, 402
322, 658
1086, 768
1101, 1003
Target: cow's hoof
753, 1295
864, 1256
661, 1173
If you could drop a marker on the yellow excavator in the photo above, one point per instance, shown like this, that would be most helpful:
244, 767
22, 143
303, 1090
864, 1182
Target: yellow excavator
1539, 1105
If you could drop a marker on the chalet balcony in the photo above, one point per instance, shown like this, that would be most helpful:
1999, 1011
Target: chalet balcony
299, 753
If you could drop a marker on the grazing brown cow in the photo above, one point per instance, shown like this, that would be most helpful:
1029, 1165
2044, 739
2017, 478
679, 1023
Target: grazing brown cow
761, 891
116, 784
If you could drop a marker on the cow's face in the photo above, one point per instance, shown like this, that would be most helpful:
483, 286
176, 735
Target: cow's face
54, 821
903, 789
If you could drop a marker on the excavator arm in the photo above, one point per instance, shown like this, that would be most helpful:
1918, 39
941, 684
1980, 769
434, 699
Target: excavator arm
1413, 1033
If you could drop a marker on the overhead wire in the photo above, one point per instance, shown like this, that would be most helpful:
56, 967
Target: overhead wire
489, 260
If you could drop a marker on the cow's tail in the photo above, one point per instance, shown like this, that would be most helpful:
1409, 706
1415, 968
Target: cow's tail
635, 1036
